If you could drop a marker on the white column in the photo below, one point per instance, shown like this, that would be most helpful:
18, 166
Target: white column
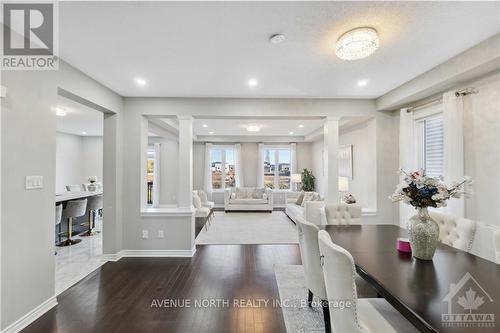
184, 197
331, 151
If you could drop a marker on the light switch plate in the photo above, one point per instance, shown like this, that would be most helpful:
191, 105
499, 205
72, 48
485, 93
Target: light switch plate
161, 234
34, 182
145, 234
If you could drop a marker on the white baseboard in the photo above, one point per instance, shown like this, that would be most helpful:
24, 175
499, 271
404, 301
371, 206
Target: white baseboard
31, 316
149, 254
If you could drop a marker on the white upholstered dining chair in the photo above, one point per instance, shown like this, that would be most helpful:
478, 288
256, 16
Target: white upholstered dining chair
356, 315
309, 252
455, 231
342, 214
496, 238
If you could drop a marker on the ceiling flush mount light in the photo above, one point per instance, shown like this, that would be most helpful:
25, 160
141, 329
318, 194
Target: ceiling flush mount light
84, 133
60, 112
210, 132
362, 83
291, 133
253, 128
357, 44
140, 82
301, 126
205, 125
277, 38
252, 82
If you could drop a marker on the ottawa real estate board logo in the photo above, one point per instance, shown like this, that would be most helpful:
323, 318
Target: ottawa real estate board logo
469, 305
29, 35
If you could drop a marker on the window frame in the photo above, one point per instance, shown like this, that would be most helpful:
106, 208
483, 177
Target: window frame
276, 149
223, 149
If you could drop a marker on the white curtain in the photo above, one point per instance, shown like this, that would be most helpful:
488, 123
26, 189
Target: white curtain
260, 166
453, 142
407, 157
293, 158
207, 172
157, 175
237, 165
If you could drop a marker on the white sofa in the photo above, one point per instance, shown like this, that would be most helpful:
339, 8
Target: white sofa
310, 210
248, 199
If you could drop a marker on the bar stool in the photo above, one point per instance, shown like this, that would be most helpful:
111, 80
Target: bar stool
94, 204
73, 209
58, 221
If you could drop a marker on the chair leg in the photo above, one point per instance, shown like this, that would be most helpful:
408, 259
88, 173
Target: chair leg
309, 298
69, 241
326, 316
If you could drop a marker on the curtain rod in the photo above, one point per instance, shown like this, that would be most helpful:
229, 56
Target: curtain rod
458, 93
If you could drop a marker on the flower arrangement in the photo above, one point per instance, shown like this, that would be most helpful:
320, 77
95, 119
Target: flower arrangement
421, 191
92, 179
349, 199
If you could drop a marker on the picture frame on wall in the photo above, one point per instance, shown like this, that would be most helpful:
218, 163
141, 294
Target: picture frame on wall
345, 161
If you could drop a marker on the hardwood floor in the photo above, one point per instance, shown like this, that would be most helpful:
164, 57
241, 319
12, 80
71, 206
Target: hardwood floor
126, 296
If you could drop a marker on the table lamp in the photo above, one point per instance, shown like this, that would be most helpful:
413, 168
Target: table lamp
296, 179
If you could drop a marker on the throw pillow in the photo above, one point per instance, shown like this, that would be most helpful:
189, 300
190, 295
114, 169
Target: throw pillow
264, 196
233, 195
300, 199
307, 197
241, 193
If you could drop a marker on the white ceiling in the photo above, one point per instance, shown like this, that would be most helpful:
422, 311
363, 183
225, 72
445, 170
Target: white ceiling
269, 127
195, 49
79, 118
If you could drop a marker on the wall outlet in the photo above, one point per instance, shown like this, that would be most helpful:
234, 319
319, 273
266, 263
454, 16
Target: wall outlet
161, 234
145, 234
34, 182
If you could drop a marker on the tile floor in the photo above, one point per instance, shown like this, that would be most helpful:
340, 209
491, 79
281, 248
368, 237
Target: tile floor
73, 263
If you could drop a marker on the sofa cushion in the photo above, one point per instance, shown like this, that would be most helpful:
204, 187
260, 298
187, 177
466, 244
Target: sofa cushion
257, 193
248, 201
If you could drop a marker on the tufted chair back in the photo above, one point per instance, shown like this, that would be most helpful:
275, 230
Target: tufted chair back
342, 214
309, 252
339, 272
455, 231
496, 237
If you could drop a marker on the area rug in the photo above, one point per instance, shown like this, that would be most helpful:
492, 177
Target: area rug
299, 318
249, 228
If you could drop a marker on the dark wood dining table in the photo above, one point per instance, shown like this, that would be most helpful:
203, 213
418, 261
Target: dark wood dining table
455, 292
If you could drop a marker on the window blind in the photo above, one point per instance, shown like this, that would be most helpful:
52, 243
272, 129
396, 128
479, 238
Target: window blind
433, 146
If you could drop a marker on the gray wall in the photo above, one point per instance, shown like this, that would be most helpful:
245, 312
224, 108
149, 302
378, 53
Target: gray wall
77, 158
29, 148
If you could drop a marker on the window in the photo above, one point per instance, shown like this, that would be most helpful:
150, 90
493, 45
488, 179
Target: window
277, 168
430, 144
223, 169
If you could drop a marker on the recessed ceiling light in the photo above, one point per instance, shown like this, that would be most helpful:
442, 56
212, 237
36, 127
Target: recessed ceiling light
253, 128
205, 125
357, 44
291, 133
301, 126
140, 81
253, 82
277, 38
84, 133
60, 112
362, 83
210, 132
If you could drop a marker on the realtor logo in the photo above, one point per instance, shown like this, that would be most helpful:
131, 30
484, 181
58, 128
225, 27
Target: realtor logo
469, 305
29, 36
